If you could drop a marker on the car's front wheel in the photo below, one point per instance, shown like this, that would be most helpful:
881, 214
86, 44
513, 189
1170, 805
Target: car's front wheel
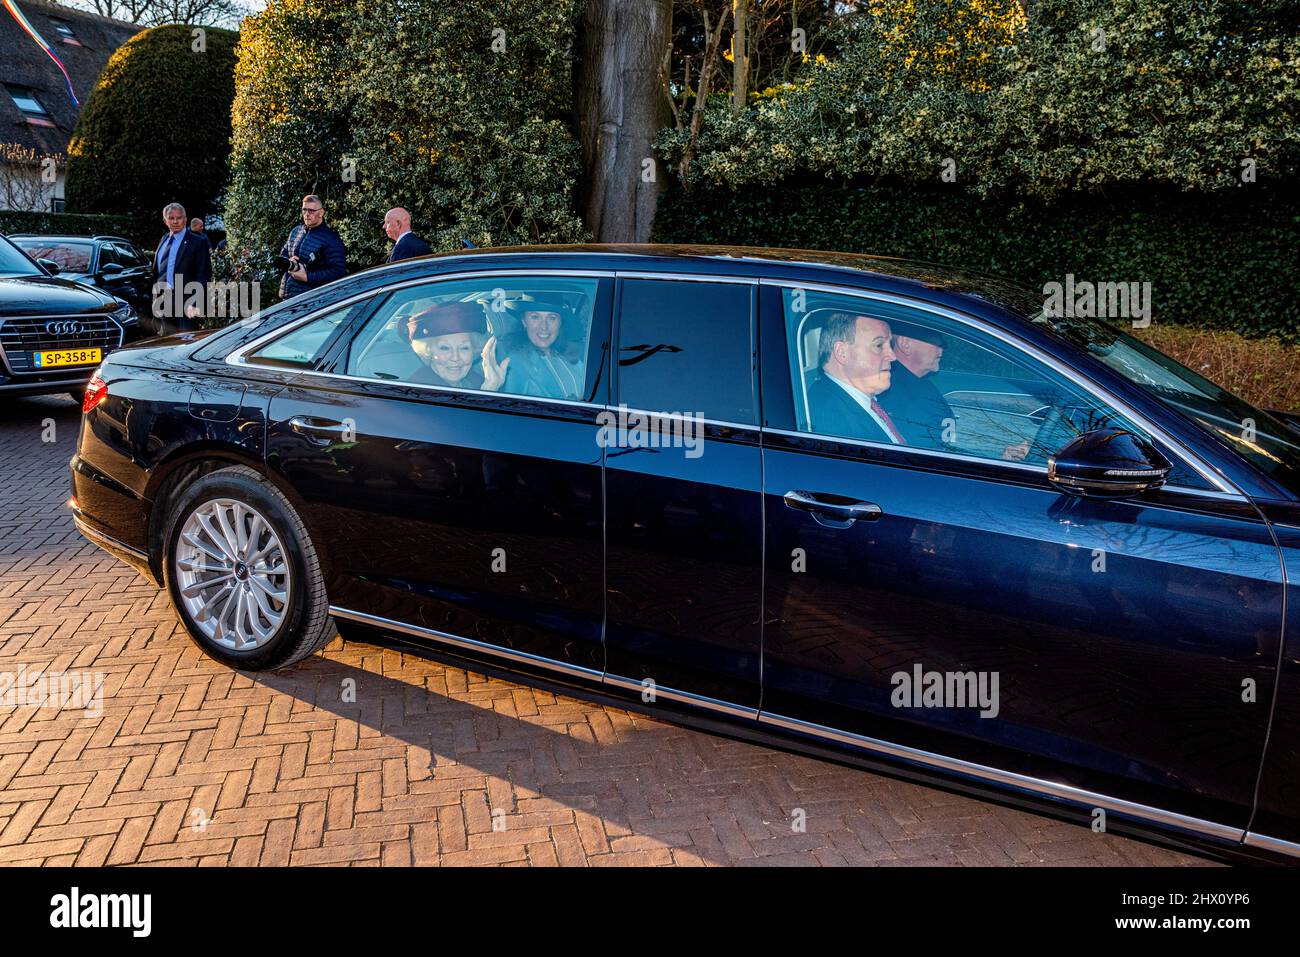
242, 572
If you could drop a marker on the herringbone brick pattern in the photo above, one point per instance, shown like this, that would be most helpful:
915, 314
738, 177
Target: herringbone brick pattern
192, 764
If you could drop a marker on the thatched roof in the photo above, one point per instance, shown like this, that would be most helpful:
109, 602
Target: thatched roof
25, 65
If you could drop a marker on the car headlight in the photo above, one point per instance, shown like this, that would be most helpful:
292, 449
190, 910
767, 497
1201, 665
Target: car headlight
125, 315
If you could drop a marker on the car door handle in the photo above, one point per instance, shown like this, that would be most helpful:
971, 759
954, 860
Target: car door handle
833, 511
313, 427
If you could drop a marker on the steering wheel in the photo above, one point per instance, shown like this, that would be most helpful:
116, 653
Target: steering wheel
1054, 432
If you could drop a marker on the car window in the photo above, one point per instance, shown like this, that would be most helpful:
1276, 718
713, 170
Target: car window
882, 372
306, 344
124, 255
108, 253
70, 257
129, 256
1254, 434
525, 335
687, 347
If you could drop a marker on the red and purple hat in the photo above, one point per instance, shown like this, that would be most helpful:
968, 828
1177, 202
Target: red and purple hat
445, 320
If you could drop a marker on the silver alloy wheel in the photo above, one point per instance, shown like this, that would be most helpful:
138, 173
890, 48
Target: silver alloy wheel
232, 574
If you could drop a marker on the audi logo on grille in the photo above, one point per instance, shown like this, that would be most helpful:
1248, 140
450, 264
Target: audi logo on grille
63, 327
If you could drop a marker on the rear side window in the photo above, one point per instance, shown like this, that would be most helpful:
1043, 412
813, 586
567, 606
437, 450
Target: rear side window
517, 335
687, 347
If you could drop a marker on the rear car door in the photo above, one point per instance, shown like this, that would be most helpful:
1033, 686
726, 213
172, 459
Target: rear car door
1077, 647
683, 486
471, 514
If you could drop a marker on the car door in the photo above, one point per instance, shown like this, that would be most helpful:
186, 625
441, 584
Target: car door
947, 602
457, 511
683, 494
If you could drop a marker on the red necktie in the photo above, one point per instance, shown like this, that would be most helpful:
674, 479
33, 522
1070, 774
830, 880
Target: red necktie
889, 423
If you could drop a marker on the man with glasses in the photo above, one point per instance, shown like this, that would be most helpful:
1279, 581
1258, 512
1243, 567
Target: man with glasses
315, 253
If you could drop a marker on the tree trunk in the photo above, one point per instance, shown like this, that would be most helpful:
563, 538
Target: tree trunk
621, 105
739, 57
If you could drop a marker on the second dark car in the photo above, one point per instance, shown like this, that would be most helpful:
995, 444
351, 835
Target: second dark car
53, 331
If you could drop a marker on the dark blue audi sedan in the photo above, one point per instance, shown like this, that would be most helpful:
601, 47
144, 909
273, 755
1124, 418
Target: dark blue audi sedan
878, 511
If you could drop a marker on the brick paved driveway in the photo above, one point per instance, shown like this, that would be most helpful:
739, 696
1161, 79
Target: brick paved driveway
190, 763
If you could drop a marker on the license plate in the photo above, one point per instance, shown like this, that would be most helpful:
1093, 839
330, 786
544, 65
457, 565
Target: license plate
68, 357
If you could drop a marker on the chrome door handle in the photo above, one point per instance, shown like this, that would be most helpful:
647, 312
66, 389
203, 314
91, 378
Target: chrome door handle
302, 423
833, 511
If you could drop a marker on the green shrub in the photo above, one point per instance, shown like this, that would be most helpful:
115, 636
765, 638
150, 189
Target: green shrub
156, 127
388, 103
1080, 95
1223, 261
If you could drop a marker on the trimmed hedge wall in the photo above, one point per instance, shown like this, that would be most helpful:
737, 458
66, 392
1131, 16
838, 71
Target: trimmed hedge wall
156, 127
1227, 261
144, 232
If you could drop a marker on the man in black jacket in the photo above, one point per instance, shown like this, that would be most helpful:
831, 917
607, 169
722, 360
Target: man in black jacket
315, 252
182, 269
406, 245
915, 404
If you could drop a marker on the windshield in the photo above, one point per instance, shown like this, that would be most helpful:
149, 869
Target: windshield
1263, 439
69, 257
14, 263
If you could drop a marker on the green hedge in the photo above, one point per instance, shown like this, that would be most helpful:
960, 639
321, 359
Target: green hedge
141, 230
156, 127
459, 112
1223, 261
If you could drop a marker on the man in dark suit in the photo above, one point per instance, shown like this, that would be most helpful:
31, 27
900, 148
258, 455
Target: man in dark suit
913, 401
182, 269
406, 245
855, 356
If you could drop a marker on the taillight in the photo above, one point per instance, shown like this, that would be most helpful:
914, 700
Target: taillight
96, 392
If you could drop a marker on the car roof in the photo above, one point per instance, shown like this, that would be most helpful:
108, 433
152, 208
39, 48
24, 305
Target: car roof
913, 275
45, 237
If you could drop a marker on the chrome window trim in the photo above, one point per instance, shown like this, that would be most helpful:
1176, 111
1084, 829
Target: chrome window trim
1039, 786
237, 357
449, 389
957, 456
686, 277
722, 423
1191, 460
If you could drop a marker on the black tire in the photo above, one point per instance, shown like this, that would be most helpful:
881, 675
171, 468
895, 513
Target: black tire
305, 627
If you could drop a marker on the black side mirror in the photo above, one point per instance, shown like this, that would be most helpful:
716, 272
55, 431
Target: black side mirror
51, 266
109, 269
1108, 463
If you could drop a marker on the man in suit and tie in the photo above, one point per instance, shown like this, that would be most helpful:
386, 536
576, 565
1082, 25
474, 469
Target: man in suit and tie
182, 269
406, 245
855, 356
